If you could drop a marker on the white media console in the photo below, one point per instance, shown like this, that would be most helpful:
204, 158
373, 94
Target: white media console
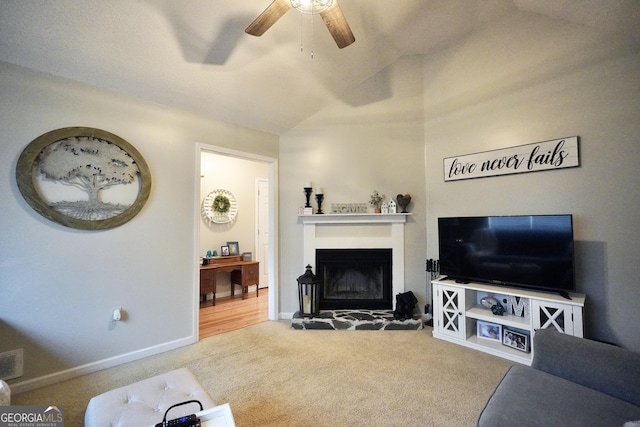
461, 318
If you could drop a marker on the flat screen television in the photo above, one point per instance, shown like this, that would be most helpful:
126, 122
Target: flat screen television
533, 251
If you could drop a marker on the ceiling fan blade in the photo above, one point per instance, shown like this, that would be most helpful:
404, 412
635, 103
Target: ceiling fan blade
338, 26
268, 17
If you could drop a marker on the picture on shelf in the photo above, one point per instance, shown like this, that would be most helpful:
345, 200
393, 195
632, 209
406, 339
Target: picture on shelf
224, 250
515, 339
233, 248
489, 331
247, 256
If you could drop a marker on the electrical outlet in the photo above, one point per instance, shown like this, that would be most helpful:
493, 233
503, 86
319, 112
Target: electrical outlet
11, 363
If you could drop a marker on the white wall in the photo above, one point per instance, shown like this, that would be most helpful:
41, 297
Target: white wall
239, 177
59, 286
533, 80
371, 138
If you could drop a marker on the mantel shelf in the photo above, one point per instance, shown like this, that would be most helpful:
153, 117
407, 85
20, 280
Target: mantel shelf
354, 218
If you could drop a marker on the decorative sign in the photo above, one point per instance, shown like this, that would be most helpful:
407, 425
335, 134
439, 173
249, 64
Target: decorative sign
83, 178
338, 208
539, 156
220, 206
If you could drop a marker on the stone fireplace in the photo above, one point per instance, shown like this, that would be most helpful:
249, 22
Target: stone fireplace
359, 237
354, 278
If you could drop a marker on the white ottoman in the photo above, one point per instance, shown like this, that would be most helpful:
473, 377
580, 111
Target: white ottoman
144, 403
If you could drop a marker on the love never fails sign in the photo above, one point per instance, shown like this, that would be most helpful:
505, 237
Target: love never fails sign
539, 156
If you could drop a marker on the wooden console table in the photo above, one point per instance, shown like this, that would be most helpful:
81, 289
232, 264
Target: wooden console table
243, 273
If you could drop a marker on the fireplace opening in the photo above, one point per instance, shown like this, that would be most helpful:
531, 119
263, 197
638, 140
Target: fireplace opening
354, 278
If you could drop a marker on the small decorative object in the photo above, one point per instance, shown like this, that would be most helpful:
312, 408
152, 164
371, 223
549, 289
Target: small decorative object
209, 254
392, 206
338, 208
215, 253
376, 200
308, 293
518, 306
319, 199
488, 302
233, 248
220, 206
62, 175
224, 250
307, 194
489, 331
384, 208
497, 309
516, 339
247, 256
403, 201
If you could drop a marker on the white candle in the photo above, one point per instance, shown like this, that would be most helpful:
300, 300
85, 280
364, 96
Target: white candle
318, 190
307, 184
306, 303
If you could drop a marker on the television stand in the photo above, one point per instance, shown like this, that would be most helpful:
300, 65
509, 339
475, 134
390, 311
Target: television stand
460, 317
564, 294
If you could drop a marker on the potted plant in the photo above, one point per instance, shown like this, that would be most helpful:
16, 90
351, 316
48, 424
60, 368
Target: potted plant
376, 200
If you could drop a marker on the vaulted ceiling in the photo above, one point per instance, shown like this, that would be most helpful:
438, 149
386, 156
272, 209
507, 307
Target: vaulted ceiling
194, 55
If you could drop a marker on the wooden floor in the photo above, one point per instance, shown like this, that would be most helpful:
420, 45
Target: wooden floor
231, 313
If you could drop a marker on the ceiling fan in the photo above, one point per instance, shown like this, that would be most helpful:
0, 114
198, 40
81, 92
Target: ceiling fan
329, 10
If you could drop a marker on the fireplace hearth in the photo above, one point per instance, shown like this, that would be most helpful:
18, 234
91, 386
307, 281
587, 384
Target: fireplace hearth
355, 320
355, 278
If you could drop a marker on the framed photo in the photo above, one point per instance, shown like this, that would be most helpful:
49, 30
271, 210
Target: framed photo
247, 256
224, 250
515, 339
233, 248
489, 331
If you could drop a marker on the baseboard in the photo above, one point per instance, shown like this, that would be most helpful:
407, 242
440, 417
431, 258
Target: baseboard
286, 316
56, 377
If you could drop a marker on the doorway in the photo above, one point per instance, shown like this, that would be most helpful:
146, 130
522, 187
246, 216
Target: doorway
265, 246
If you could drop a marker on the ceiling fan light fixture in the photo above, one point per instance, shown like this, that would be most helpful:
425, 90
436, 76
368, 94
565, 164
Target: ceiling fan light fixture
311, 7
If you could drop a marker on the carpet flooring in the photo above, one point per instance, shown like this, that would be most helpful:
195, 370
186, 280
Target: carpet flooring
273, 375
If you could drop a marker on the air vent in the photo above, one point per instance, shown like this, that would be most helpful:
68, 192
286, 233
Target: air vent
11, 364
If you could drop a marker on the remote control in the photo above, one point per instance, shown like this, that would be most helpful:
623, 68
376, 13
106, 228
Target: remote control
186, 421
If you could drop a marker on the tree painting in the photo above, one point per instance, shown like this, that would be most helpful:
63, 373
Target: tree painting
90, 164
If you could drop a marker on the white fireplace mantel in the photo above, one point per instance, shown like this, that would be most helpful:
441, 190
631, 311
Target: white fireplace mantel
357, 231
356, 218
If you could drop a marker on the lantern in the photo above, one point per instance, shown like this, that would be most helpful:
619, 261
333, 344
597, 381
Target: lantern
308, 289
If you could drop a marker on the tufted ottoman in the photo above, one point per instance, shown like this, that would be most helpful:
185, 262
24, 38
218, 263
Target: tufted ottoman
144, 403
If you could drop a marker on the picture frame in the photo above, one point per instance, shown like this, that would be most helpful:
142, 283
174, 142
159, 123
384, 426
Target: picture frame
516, 339
233, 248
247, 256
489, 331
224, 250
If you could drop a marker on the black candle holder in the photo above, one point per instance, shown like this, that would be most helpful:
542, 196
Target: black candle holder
319, 199
307, 193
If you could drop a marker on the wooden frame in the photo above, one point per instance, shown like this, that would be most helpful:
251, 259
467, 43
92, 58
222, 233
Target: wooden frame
234, 249
26, 174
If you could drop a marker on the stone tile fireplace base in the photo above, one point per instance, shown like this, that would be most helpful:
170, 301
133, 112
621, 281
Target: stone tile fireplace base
363, 320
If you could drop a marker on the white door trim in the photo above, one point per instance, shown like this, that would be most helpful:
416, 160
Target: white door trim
273, 225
